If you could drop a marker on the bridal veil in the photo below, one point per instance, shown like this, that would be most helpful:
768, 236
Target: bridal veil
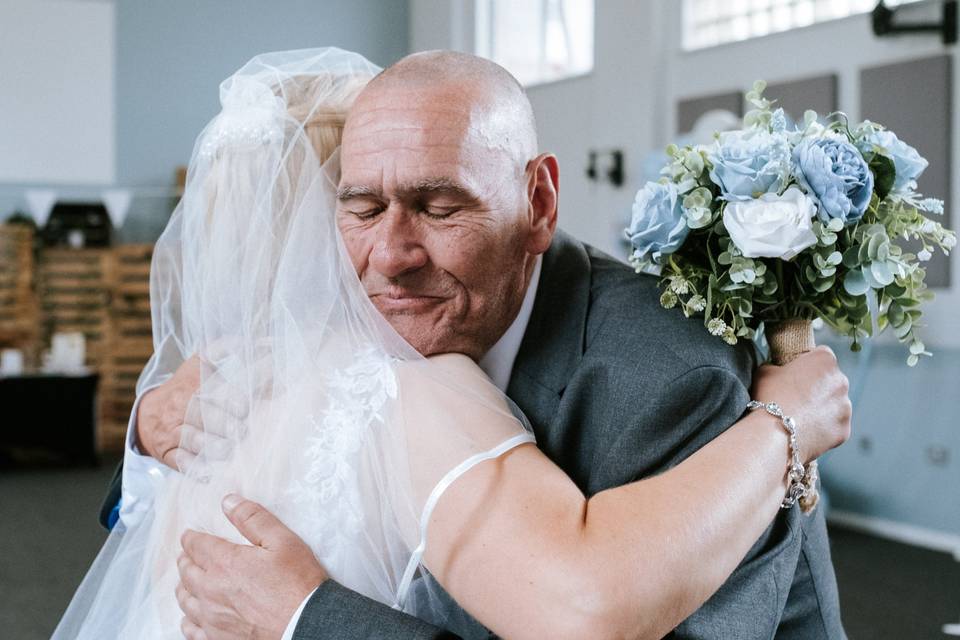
309, 402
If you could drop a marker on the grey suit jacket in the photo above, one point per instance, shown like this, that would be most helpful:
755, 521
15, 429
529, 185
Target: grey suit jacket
617, 389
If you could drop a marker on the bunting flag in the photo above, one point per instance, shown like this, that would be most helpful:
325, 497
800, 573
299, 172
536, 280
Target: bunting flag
117, 203
40, 202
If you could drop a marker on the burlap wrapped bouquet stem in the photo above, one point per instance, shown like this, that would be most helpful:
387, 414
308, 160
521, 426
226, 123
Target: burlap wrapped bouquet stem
788, 339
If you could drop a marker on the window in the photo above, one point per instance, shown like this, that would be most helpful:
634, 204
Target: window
537, 40
711, 22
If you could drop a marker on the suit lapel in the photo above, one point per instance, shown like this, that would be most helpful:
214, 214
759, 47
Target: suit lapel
552, 345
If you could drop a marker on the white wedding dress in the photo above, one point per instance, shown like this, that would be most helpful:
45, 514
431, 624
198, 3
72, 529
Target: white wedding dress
329, 418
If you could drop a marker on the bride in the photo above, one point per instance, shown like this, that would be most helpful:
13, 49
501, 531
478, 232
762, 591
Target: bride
365, 449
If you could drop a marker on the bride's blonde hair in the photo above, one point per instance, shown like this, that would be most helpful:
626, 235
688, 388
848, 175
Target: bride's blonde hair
317, 105
322, 122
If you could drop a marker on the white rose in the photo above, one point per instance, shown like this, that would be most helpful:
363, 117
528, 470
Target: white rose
772, 226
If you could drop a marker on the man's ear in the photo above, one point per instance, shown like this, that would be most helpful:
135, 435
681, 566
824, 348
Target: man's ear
543, 188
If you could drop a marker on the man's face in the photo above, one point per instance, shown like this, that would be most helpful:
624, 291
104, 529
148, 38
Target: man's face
435, 219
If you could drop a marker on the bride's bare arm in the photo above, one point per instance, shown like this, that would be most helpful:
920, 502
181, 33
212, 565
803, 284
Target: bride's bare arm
519, 546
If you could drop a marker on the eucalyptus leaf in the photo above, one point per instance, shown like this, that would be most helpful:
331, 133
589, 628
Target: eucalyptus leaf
895, 315
903, 330
824, 285
884, 174
894, 290
851, 258
873, 246
881, 273
854, 283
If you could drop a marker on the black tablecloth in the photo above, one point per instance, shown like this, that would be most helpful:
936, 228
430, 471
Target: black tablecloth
51, 412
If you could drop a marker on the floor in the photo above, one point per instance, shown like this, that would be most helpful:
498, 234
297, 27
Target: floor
49, 535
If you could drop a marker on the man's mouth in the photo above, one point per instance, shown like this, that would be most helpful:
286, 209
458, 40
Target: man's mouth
399, 301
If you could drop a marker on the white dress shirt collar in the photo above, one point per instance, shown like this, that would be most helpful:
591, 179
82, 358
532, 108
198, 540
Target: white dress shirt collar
498, 362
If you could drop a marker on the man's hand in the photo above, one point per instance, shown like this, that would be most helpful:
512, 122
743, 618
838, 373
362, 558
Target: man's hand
812, 390
160, 417
174, 424
231, 591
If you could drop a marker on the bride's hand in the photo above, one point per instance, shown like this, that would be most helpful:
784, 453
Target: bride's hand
813, 391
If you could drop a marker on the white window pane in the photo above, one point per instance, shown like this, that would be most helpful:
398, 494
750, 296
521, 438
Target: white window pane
537, 40
710, 22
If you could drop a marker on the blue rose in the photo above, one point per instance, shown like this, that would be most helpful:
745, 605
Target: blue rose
658, 226
747, 164
907, 163
835, 175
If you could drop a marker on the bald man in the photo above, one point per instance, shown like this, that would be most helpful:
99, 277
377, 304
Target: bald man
448, 213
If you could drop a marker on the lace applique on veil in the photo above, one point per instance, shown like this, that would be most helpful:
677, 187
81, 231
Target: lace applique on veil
354, 399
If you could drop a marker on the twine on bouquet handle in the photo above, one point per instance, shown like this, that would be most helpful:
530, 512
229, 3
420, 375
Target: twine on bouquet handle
788, 339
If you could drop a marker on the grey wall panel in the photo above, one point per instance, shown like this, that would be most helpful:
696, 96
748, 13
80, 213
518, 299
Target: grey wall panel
914, 100
903, 460
689, 109
796, 96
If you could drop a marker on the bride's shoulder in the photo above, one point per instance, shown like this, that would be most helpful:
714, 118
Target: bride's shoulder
444, 373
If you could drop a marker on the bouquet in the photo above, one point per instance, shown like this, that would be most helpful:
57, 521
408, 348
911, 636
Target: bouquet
774, 226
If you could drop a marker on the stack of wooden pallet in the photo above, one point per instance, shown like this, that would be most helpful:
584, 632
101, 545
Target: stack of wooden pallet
73, 287
104, 294
131, 340
19, 326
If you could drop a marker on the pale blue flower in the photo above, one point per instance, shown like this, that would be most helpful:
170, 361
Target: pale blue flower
907, 163
747, 164
834, 173
658, 226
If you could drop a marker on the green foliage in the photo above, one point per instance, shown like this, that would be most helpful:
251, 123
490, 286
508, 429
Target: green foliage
855, 278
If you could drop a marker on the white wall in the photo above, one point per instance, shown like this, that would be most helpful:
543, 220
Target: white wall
56, 96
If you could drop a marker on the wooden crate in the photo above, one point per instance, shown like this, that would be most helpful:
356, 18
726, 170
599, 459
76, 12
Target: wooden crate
73, 288
19, 317
102, 293
130, 341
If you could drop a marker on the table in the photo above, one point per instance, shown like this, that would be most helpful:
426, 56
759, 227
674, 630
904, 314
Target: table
51, 412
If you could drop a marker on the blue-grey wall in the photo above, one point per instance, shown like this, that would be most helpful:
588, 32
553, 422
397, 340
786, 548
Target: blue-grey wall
901, 463
171, 57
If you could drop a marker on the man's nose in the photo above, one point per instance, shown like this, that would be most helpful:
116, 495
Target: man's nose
397, 248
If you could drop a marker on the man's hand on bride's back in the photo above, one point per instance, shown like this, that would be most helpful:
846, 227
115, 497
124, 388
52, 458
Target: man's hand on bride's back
174, 424
814, 391
160, 427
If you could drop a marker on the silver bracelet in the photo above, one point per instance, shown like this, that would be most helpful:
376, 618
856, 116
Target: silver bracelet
795, 471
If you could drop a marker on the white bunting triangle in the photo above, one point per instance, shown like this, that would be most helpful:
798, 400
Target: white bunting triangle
117, 202
40, 202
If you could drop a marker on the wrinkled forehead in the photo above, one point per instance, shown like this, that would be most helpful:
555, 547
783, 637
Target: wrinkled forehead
444, 130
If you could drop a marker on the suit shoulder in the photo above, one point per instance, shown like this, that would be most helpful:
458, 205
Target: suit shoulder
625, 321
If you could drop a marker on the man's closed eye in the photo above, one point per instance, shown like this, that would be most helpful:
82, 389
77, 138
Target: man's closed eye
365, 214
439, 213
